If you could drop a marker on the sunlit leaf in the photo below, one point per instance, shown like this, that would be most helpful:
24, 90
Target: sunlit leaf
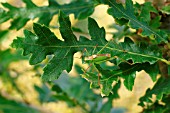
118, 11
46, 43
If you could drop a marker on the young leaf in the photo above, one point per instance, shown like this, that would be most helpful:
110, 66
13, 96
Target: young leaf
22, 15
118, 11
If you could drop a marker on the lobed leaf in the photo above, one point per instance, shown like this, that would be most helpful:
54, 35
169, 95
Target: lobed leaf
44, 43
145, 12
126, 71
128, 50
118, 11
22, 15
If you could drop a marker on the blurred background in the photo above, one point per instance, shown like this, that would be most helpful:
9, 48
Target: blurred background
21, 88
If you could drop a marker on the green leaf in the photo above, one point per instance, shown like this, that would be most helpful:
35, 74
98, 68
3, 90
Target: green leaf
45, 43
166, 9
118, 11
121, 31
74, 89
22, 15
45, 94
10, 106
145, 11
3, 35
126, 71
155, 23
7, 57
161, 87
128, 50
106, 108
129, 76
76, 92
157, 107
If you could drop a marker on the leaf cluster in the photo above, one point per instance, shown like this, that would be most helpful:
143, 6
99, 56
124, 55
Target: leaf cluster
146, 48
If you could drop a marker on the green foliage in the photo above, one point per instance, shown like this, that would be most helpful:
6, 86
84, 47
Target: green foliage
6, 58
160, 88
127, 12
70, 45
166, 9
160, 108
46, 43
21, 16
146, 48
9, 106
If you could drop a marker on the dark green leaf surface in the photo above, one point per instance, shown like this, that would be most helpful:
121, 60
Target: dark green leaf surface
107, 107
161, 87
46, 43
128, 50
145, 11
20, 16
126, 71
3, 34
118, 11
9, 106
122, 31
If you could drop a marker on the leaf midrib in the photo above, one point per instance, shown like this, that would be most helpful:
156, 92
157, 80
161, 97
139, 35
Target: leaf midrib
92, 46
137, 21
